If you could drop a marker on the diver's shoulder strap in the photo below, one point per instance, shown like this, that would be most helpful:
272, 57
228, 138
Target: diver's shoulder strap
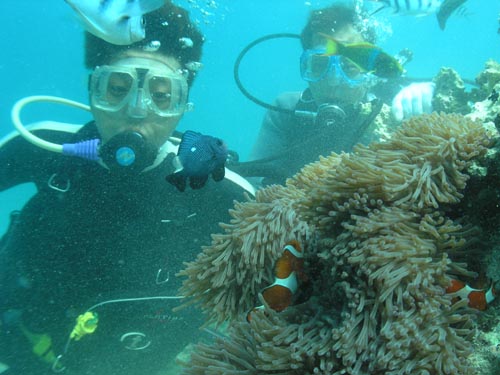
43, 125
173, 146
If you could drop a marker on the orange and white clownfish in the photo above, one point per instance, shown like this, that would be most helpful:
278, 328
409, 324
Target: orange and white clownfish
287, 269
478, 298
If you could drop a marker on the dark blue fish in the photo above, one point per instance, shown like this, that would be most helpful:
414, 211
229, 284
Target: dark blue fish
198, 156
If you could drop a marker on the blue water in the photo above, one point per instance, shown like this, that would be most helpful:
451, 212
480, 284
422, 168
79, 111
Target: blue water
42, 49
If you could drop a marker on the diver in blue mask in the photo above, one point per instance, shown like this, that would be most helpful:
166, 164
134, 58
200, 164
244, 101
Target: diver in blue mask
98, 245
344, 95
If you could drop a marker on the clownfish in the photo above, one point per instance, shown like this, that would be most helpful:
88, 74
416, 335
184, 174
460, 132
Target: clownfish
478, 298
287, 269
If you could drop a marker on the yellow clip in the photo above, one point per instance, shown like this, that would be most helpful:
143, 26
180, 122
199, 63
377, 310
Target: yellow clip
85, 324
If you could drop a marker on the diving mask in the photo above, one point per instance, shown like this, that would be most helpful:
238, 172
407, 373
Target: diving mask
316, 66
143, 89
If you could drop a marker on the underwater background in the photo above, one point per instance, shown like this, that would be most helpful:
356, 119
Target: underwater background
42, 49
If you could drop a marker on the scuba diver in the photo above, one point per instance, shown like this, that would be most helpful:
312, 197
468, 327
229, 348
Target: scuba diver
349, 79
88, 264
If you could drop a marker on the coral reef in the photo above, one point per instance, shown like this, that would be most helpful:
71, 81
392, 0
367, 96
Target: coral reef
489, 77
487, 105
486, 355
383, 126
381, 242
450, 95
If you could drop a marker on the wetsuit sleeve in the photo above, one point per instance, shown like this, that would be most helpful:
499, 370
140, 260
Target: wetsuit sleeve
23, 162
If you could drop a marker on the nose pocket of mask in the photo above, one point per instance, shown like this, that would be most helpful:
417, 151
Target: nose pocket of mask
138, 106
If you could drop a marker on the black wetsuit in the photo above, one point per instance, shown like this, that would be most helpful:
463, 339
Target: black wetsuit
106, 238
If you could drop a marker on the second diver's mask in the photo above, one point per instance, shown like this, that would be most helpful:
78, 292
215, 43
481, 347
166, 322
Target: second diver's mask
315, 66
142, 88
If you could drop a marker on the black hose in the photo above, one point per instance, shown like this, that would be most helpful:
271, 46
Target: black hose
236, 71
244, 51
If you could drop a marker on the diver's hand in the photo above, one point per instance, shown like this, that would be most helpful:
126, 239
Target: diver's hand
413, 100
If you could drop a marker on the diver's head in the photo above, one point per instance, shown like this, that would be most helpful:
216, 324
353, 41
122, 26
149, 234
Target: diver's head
334, 79
169, 32
144, 86
139, 92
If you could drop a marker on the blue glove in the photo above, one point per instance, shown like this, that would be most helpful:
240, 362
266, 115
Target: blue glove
413, 100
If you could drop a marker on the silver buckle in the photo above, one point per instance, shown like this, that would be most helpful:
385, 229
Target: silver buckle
135, 341
52, 185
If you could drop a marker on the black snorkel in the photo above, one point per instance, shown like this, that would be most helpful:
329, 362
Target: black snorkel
236, 71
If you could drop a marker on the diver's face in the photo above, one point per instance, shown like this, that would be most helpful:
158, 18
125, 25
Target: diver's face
329, 89
136, 96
